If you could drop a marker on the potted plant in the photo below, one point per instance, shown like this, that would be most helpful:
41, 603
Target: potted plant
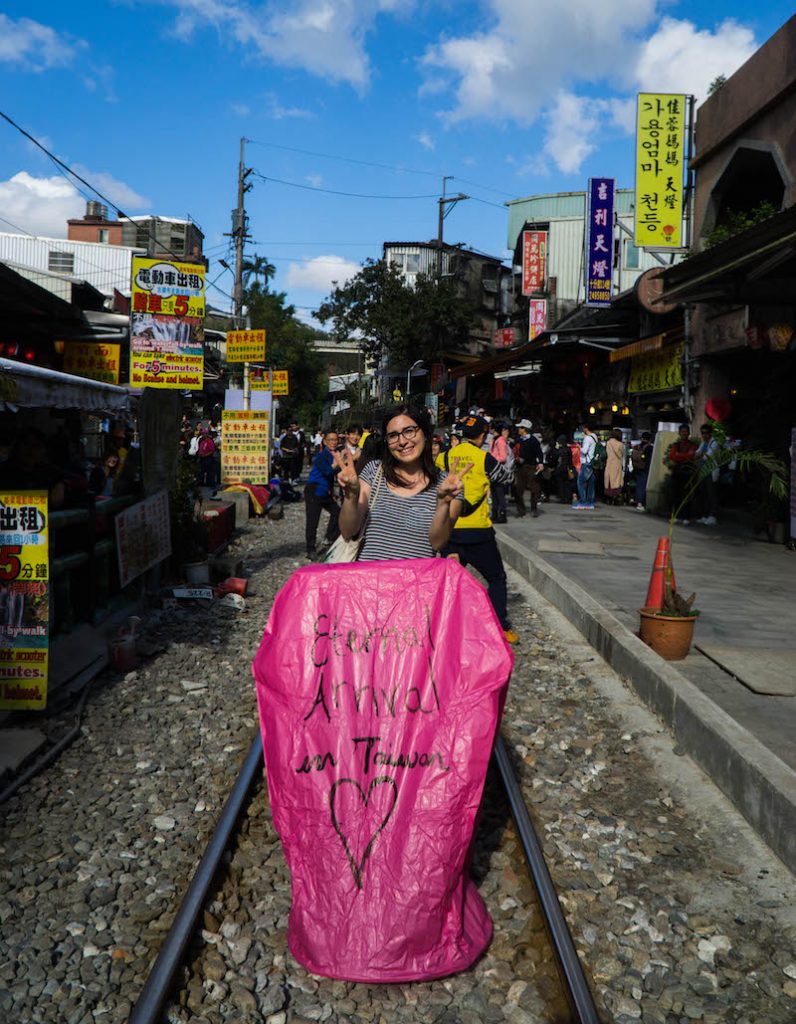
669, 630
188, 531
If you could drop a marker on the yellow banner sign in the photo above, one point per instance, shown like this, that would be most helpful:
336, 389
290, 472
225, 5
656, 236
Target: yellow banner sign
657, 371
279, 386
245, 346
660, 166
167, 324
244, 446
95, 361
24, 599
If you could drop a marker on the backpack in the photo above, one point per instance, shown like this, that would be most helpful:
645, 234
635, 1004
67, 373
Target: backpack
206, 446
638, 458
600, 456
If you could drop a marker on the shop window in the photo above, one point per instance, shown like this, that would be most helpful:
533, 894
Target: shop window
413, 262
751, 188
103, 236
61, 262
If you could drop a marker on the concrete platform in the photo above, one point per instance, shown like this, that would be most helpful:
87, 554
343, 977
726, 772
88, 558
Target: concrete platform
746, 591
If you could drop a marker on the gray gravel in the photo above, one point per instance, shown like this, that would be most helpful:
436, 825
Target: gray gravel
95, 854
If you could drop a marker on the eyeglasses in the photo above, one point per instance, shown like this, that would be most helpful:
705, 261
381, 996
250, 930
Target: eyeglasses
395, 436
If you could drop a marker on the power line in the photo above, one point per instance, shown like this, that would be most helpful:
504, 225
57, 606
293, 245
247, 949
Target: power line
335, 192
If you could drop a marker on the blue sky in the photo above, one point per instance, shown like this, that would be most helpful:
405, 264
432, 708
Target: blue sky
148, 99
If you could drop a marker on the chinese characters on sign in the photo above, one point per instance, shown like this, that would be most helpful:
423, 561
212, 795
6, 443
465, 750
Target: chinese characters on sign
245, 346
534, 261
278, 387
166, 324
660, 164
537, 318
97, 362
143, 536
244, 447
599, 241
657, 371
24, 600
503, 337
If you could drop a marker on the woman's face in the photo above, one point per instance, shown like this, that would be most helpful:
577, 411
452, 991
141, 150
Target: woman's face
405, 439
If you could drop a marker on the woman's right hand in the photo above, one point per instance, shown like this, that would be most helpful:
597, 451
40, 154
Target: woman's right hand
347, 473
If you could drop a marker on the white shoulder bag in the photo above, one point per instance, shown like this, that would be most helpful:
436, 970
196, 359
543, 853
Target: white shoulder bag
348, 550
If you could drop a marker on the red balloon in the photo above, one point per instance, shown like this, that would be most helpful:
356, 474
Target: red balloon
719, 409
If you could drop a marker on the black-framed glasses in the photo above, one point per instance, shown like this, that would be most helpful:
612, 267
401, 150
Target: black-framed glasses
394, 436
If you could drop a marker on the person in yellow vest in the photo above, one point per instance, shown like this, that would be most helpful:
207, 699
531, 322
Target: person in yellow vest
473, 538
397, 394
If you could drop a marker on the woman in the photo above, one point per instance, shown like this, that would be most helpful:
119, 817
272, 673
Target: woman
501, 450
415, 505
102, 480
614, 475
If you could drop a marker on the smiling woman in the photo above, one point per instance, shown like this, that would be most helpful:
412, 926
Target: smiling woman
413, 514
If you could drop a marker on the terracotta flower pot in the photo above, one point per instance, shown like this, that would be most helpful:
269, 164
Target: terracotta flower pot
669, 636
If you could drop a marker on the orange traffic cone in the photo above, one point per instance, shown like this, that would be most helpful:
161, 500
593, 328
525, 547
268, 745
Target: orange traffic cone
657, 587
669, 575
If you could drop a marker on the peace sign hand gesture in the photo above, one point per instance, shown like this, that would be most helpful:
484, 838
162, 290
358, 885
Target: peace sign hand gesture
347, 474
452, 486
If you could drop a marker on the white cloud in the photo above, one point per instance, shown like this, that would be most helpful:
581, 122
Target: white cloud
321, 273
240, 109
33, 46
279, 112
678, 57
531, 51
425, 140
570, 127
42, 206
118, 192
316, 180
324, 37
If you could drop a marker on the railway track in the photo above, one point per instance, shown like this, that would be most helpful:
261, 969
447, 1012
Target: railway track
572, 1004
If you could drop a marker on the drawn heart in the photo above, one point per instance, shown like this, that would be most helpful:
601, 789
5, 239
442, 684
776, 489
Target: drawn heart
357, 820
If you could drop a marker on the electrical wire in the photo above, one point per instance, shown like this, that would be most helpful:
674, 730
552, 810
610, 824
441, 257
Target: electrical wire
335, 192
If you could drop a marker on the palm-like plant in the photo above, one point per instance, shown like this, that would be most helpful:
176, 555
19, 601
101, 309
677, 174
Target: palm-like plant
256, 267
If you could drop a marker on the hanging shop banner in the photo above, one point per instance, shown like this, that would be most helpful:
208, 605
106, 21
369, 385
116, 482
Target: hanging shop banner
278, 386
660, 167
537, 318
657, 371
245, 346
244, 447
600, 241
95, 361
167, 324
24, 599
504, 337
143, 536
534, 261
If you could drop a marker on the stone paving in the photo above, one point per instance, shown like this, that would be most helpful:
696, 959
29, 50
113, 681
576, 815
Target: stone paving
680, 915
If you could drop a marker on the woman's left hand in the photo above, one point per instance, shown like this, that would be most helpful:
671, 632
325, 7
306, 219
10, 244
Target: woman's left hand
453, 484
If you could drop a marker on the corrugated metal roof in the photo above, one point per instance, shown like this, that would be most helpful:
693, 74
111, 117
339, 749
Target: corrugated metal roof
104, 266
556, 206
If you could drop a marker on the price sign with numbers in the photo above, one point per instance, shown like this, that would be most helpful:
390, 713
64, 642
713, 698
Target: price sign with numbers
24, 599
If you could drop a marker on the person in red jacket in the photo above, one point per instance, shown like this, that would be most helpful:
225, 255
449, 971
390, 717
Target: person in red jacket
680, 460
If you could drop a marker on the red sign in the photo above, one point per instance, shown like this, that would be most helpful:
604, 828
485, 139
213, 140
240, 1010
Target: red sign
537, 319
534, 261
503, 337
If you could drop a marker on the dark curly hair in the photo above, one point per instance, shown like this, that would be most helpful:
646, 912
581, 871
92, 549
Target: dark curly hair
390, 464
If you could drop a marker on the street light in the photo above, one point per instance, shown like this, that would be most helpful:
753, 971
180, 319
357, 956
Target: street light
414, 366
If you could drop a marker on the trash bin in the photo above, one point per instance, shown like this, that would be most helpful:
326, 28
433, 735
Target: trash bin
380, 687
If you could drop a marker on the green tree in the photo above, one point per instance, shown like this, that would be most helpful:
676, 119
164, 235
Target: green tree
256, 267
394, 319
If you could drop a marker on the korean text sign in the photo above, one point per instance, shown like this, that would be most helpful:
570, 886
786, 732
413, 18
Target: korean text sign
167, 324
245, 346
95, 361
534, 261
600, 241
660, 166
244, 447
537, 318
24, 599
380, 687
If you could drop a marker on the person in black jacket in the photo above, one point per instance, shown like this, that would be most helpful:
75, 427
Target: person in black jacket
529, 462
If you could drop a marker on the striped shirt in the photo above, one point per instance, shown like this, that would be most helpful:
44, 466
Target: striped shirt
397, 526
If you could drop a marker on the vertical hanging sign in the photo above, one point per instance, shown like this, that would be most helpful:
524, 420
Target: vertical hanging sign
660, 167
537, 318
24, 599
599, 241
534, 261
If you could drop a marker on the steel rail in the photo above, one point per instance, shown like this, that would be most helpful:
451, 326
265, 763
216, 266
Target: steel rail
577, 989
158, 984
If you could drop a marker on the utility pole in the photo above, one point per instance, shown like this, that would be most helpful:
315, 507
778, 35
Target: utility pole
446, 204
239, 235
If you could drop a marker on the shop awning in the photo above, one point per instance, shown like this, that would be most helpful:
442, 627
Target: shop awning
637, 348
34, 387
